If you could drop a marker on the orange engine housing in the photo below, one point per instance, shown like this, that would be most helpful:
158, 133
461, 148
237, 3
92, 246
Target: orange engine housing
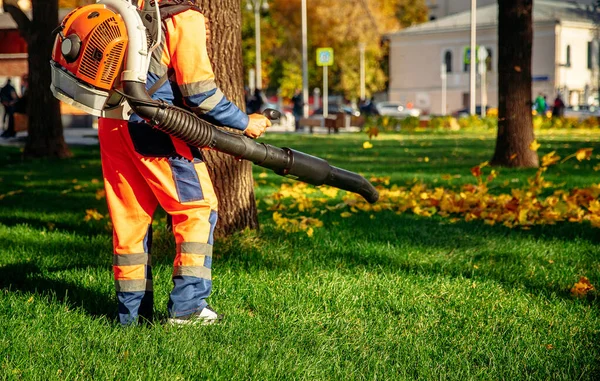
104, 42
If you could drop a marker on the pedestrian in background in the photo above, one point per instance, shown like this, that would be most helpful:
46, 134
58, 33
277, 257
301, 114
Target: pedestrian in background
8, 97
558, 108
298, 109
540, 105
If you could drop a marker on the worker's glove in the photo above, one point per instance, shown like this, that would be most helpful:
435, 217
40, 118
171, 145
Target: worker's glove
257, 125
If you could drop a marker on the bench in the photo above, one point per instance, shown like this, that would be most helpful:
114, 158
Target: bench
310, 123
332, 123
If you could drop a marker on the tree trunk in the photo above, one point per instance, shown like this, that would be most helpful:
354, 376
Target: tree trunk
231, 178
515, 127
45, 131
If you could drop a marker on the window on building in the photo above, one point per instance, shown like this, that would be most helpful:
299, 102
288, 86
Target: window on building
568, 57
448, 61
489, 61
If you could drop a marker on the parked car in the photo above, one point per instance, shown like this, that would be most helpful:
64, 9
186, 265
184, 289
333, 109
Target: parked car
465, 112
582, 111
336, 108
396, 109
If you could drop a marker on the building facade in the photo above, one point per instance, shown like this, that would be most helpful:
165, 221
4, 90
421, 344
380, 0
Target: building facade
443, 8
565, 57
13, 48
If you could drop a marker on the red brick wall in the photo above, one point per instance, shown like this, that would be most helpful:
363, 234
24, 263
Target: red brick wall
11, 42
15, 67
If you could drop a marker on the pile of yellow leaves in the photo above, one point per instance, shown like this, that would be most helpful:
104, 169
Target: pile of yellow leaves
523, 208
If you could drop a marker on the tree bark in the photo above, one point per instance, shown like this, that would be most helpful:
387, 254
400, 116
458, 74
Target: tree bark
45, 131
515, 126
231, 178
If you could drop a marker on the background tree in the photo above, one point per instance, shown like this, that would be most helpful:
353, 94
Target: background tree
45, 131
515, 127
338, 24
231, 178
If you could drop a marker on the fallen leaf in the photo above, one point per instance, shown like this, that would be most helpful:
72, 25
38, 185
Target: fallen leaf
584, 154
534, 146
367, 145
582, 287
92, 214
550, 159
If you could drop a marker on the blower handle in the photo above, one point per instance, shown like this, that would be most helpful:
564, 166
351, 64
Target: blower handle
271, 114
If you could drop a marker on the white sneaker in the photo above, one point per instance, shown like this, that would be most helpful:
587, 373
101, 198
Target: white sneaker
207, 316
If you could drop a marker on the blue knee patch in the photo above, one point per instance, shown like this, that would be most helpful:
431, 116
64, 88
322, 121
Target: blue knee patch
213, 223
186, 180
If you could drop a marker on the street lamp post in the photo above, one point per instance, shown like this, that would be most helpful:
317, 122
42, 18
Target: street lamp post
483, 55
305, 59
257, 6
473, 58
444, 76
363, 87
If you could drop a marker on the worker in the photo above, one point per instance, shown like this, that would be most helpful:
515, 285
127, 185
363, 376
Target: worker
144, 167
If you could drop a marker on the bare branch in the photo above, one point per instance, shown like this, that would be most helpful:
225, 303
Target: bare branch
366, 8
23, 22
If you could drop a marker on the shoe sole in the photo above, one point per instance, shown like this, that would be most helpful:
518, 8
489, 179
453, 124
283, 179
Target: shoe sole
181, 322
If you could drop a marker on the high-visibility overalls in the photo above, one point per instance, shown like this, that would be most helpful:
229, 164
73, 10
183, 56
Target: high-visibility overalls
144, 167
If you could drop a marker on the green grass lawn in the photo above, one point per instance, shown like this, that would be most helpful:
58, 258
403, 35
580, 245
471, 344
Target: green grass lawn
398, 297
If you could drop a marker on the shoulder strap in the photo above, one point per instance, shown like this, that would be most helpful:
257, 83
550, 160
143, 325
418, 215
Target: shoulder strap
161, 81
171, 8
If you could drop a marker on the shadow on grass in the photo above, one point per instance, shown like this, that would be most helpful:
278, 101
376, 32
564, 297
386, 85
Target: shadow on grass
432, 246
82, 229
29, 278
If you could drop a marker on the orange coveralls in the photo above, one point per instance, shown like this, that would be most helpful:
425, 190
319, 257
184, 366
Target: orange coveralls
144, 167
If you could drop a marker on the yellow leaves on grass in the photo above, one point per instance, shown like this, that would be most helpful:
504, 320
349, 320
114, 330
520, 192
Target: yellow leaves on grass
293, 225
100, 194
581, 155
367, 145
373, 132
522, 207
582, 288
550, 159
476, 171
534, 146
92, 214
10, 194
584, 154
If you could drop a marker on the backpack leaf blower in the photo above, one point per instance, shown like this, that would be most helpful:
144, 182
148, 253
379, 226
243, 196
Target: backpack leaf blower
100, 64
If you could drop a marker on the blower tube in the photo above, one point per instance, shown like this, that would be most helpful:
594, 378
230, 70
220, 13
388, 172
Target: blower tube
186, 126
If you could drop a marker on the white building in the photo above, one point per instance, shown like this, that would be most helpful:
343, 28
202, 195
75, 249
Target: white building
565, 56
443, 8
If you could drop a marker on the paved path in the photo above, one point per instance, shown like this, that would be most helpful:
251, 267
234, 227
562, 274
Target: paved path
73, 136
89, 136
